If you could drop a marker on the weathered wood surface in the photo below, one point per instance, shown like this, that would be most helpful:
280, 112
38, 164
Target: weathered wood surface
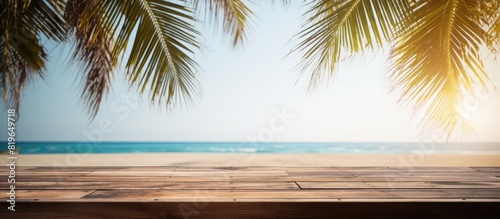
253, 192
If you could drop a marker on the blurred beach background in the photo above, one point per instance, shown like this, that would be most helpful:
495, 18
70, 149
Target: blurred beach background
253, 110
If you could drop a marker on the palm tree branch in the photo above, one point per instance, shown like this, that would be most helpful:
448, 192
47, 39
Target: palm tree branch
93, 48
23, 56
233, 13
337, 28
493, 24
437, 59
160, 39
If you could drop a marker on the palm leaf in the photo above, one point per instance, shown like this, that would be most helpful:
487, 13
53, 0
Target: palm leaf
93, 48
46, 18
22, 57
233, 13
160, 38
491, 8
438, 58
338, 27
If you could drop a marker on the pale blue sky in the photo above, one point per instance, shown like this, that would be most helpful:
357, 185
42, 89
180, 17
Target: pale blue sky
241, 90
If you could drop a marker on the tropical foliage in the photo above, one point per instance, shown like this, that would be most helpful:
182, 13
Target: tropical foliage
435, 48
103, 33
435, 45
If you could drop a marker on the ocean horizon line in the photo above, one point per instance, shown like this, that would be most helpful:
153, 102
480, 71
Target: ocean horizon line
299, 142
254, 147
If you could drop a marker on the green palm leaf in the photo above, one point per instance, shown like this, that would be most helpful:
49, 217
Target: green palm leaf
161, 39
337, 27
22, 57
438, 58
93, 48
234, 15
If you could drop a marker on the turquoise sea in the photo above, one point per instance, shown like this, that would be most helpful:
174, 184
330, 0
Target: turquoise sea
255, 147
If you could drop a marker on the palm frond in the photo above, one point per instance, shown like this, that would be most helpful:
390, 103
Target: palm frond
284, 3
437, 59
94, 50
46, 17
491, 9
22, 57
161, 40
339, 27
494, 31
233, 13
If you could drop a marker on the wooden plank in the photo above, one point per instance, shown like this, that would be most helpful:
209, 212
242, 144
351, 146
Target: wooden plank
223, 168
255, 168
152, 185
273, 173
360, 171
155, 168
247, 178
221, 195
397, 185
34, 195
90, 169
390, 174
251, 168
130, 173
6, 168
193, 174
487, 169
244, 210
66, 168
334, 169
53, 174
402, 168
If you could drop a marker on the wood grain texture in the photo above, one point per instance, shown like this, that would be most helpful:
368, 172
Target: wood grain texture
166, 195
253, 192
398, 185
221, 185
391, 173
35, 195
191, 173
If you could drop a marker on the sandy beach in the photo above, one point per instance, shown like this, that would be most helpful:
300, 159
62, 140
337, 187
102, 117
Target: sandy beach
226, 159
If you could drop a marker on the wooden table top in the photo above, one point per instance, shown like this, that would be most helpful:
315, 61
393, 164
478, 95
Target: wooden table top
225, 185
